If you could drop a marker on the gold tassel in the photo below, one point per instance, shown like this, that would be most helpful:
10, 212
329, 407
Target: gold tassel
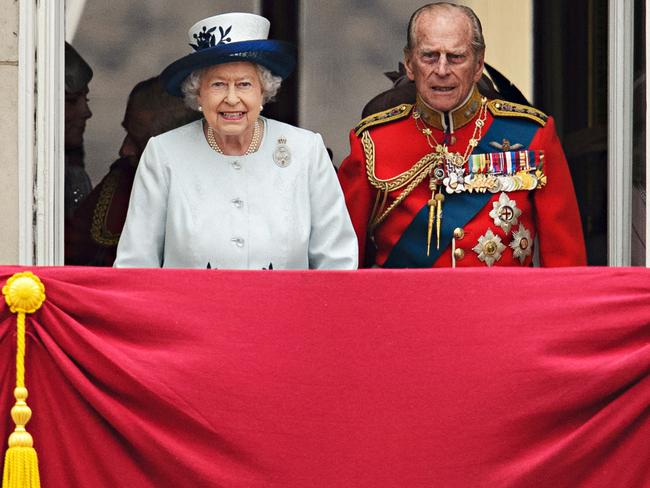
24, 293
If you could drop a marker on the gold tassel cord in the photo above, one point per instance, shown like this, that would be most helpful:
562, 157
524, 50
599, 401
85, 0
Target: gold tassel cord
24, 293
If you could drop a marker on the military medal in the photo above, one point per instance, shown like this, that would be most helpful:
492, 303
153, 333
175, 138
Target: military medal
505, 171
282, 155
489, 248
505, 212
521, 244
455, 165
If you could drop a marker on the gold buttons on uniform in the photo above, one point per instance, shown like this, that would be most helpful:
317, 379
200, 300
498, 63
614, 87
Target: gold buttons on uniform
459, 253
459, 233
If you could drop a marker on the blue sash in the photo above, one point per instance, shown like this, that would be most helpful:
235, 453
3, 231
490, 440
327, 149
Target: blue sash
458, 208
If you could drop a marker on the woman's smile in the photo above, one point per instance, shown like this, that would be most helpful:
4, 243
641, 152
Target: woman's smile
234, 116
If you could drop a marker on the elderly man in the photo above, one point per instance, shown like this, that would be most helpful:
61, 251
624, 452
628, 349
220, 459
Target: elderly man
456, 179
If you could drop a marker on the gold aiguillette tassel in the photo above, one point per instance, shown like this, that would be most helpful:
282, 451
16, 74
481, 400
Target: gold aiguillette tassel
439, 198
432, 205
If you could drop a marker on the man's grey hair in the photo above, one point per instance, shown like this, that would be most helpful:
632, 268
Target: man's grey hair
190, 87
478, 42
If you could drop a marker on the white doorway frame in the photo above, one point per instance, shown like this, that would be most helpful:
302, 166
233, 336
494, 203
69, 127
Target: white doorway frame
647, 137
619, 141
41, 132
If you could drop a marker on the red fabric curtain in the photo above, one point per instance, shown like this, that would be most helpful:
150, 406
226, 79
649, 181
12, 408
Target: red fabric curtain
454, 378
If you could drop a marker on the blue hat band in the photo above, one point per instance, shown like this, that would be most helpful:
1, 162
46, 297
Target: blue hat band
278, 56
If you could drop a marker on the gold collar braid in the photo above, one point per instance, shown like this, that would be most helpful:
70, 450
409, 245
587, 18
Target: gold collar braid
458, 117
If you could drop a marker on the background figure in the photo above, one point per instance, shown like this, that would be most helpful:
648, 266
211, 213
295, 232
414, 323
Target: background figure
77, 76
94, 231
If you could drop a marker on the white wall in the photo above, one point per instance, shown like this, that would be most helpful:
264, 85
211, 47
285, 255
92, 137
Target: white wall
9, 134
508, 32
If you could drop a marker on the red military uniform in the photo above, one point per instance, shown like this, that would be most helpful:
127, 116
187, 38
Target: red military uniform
388, 180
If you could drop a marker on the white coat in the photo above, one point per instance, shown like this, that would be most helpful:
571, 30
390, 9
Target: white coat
192, 207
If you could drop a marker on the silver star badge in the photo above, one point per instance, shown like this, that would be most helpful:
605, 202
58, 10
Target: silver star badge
489, 248
521, 244
505, 212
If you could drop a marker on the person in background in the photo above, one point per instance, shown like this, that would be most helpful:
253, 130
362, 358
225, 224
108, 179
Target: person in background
457, 179
94, 231
77, 77
235, 190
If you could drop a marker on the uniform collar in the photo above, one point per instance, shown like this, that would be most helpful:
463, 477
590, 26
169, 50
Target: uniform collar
454, 119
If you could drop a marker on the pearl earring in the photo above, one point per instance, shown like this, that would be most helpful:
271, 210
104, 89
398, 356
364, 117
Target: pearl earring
261, 107
200, 108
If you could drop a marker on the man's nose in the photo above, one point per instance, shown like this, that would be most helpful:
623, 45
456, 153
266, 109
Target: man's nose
85, 110
442, 66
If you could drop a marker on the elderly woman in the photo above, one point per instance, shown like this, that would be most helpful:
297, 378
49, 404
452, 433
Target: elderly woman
235, 190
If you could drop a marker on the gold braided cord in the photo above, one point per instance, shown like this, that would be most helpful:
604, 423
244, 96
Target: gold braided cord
24, 293
397, 182
99, 228
411, 179
380, 197
20, 350
419, 179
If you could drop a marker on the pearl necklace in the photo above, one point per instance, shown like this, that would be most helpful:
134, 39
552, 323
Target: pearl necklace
255, 141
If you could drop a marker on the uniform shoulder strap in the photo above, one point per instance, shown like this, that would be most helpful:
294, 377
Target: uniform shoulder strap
395, 113
503, 108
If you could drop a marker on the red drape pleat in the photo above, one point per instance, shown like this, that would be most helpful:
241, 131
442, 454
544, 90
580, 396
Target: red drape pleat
450, 378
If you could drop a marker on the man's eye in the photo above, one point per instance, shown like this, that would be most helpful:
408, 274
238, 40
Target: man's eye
456, 58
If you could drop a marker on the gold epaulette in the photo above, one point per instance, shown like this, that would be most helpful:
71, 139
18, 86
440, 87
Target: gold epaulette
503, 108
379, 118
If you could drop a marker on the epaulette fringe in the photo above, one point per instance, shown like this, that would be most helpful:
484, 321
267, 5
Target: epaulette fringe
395, 113
503, 108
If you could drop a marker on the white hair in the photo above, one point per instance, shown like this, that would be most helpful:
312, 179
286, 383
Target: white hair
191, 84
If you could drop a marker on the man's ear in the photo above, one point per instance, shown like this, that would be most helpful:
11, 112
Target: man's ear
407, 65
479, 68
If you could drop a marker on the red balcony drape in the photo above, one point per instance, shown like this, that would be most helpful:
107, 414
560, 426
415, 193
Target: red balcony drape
376, 378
